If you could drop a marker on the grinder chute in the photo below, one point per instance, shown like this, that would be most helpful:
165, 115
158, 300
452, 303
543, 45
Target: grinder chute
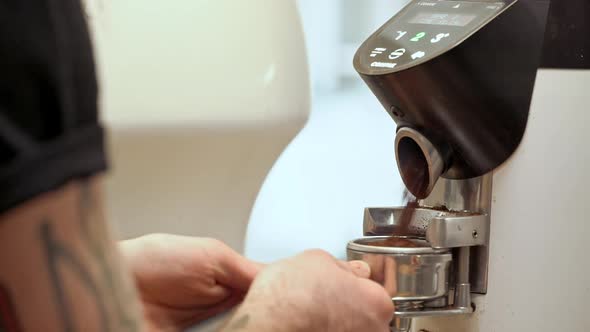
419, 161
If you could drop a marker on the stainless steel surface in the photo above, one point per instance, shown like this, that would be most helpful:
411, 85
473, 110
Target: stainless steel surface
462, 289
463, 265
416, 277
442, 229
462, 296
401, 325
473, 195
418, 246
458, 231
438, 303
448, 311
385, 221
426, 155
409, 305
465, 226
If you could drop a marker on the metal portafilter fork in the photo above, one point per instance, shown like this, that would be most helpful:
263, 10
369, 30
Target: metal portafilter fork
427, 273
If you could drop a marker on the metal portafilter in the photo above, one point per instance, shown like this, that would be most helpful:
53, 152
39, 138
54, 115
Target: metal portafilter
415, 274
427, 273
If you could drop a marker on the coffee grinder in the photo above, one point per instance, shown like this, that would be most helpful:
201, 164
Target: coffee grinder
490, 100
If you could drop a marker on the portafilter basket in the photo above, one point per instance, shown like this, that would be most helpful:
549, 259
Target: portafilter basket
408, 268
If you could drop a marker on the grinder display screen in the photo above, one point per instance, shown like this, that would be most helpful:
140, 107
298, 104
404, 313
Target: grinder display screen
459, 20
425, 29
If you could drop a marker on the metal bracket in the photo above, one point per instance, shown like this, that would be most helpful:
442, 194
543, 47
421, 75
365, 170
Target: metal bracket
456, 231
448, 311
442, 229
447, 229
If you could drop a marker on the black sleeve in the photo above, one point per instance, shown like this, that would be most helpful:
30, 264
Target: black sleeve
49, 130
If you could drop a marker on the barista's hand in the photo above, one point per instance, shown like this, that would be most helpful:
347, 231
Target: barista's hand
314, 292
184, 280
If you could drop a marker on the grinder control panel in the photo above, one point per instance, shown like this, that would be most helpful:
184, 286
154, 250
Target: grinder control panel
423, 30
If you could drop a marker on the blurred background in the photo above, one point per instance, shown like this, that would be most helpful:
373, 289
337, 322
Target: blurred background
343, 160
180, 165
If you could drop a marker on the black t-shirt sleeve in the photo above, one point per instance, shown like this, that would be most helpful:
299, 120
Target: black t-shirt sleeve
49, 130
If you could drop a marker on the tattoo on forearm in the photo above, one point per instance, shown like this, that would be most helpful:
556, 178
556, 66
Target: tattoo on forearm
58, 254
8, 318
104, 286
95, 237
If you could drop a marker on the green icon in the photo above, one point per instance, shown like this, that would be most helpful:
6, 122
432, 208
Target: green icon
418, 36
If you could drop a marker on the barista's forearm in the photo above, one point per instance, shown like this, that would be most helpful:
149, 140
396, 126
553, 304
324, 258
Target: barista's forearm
60, 268
248, 319
258, 317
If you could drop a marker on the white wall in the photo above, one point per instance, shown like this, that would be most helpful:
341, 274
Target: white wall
200, 98
343, 161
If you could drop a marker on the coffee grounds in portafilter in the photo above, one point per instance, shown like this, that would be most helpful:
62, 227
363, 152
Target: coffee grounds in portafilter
395, 242
414, 170
411, 203
403, 225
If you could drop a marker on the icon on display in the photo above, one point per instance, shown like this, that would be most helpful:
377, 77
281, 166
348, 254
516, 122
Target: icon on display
457, 6
383, 65
400, 34
418, 36
377, 51
418, 55
439, 37
397, 53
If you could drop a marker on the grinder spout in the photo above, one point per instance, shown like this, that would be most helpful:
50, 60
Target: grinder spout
419, 161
